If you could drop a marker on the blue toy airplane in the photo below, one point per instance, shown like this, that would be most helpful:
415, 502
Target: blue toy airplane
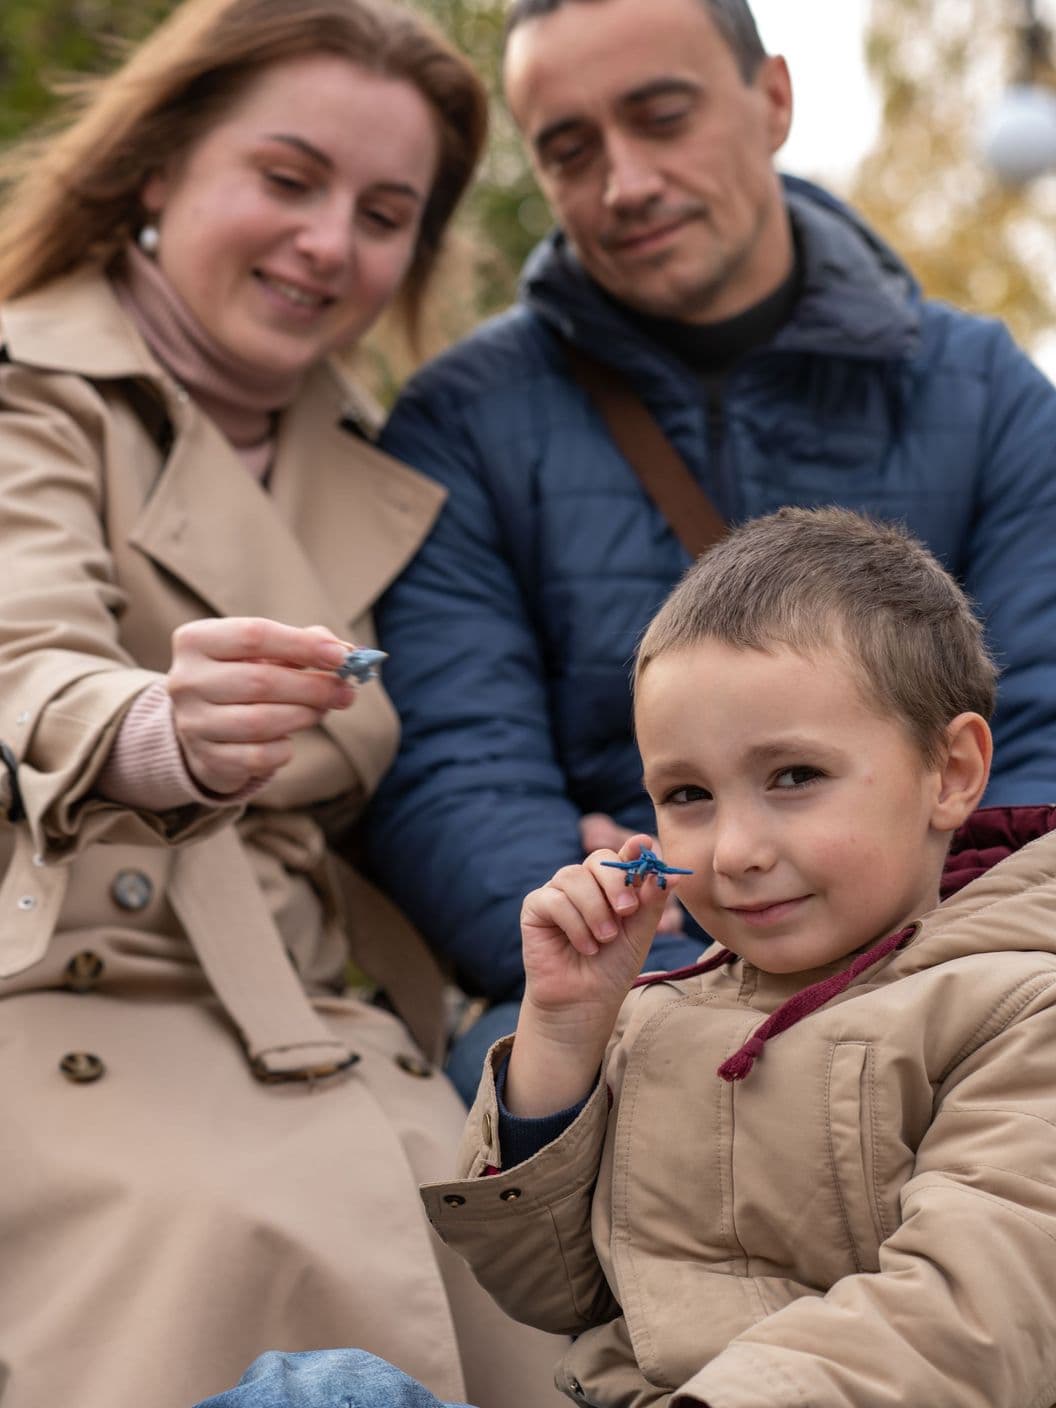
648, 863
359, 665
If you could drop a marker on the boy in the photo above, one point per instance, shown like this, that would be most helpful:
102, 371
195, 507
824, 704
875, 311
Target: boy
819, 1168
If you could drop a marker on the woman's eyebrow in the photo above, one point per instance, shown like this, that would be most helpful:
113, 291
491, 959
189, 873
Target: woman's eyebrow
291, 140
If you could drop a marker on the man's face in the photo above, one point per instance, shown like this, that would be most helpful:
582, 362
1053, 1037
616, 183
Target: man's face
655, 153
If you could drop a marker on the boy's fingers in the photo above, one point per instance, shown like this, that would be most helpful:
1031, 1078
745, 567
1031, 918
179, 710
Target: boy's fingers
575, 896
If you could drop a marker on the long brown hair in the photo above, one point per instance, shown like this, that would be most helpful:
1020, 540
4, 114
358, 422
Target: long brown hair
73, 193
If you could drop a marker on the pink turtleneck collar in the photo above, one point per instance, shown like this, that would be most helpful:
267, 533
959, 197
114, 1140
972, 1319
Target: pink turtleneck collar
240, 399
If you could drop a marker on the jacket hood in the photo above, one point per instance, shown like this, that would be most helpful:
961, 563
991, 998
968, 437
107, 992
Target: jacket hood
858, 299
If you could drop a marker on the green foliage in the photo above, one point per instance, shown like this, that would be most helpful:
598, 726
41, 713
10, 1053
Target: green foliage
938, 65
44, 41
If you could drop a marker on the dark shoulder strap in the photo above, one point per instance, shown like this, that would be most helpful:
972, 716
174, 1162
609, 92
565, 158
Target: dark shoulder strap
692, 517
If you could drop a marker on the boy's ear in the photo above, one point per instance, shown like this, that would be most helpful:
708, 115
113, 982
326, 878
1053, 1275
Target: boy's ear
963, 772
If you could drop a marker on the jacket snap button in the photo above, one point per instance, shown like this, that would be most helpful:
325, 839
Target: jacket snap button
81, 1067
414, 1065
27, 902
83, 971
511, 1195
131, 890
454, 1200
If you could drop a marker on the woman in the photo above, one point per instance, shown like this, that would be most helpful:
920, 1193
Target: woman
209, 1149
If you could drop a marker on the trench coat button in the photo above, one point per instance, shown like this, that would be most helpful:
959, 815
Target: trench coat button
131, 890
81, 1067
83, 971
511, 1195
414, 1065
454, 1200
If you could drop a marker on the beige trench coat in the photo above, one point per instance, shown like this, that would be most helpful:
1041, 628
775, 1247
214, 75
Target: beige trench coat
867, 1220
167, 1220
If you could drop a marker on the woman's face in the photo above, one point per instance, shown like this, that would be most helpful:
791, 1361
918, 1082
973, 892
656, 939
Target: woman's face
290, 225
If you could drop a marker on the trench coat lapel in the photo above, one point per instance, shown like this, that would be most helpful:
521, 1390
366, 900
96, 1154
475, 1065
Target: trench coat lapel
303, 552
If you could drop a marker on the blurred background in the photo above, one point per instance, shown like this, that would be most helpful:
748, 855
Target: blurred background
902, 106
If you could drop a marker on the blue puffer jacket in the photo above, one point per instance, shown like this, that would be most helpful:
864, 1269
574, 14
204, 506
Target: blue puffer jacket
512, 631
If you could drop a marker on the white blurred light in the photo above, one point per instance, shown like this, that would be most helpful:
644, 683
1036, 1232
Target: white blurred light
1018, 138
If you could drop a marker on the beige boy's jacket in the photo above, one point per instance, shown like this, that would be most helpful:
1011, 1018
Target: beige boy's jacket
868, 1219
166, 1221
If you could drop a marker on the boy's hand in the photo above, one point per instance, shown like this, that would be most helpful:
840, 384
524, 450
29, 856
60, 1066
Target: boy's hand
598, 832
586, 933
585, 937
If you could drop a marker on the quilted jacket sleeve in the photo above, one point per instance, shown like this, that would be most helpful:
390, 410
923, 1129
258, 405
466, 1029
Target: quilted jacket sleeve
1009, 569
961, 1313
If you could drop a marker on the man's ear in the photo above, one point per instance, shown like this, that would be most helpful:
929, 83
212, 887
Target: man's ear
774, 83
964, 771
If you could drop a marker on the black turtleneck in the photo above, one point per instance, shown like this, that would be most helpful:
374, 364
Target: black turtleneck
712, 349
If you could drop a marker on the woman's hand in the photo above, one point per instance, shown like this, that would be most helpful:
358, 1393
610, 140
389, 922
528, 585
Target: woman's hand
241, 686
585, 936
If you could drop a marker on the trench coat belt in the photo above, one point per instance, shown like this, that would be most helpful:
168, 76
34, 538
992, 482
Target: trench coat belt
215, 894
216, 897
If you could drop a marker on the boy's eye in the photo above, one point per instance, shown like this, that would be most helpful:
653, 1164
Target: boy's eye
682, 796
798, 776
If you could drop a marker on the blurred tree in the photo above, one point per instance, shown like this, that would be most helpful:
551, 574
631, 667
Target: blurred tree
939, 65
41, 41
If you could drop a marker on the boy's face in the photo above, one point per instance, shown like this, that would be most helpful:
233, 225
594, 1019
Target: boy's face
807, 818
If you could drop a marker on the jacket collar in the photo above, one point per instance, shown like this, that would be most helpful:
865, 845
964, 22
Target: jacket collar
859, 300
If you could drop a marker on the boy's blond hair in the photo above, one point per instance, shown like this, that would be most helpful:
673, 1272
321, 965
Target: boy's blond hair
817, 579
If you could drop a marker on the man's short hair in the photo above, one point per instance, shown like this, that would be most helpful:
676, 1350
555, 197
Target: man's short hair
732, 18
828, 579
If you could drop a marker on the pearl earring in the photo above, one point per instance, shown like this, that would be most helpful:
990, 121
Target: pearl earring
148, 239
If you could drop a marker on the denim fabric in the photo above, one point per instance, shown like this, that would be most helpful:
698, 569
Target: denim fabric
325, 1378
466, 1060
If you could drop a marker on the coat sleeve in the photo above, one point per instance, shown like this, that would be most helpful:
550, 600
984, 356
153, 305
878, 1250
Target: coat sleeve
1010, 570
961, 1313
65, 680
526, 1232
476, 811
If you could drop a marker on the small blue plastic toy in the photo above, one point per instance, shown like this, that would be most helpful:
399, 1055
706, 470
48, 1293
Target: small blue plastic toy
648, 863
359, 665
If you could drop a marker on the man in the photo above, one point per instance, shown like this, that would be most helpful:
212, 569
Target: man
788, 356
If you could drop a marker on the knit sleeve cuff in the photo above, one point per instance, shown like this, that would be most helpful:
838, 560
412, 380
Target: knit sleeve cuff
146, 770
520, 1138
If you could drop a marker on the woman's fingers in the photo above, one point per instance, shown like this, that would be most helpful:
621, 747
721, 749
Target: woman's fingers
240, 686
256, 682
244, 638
